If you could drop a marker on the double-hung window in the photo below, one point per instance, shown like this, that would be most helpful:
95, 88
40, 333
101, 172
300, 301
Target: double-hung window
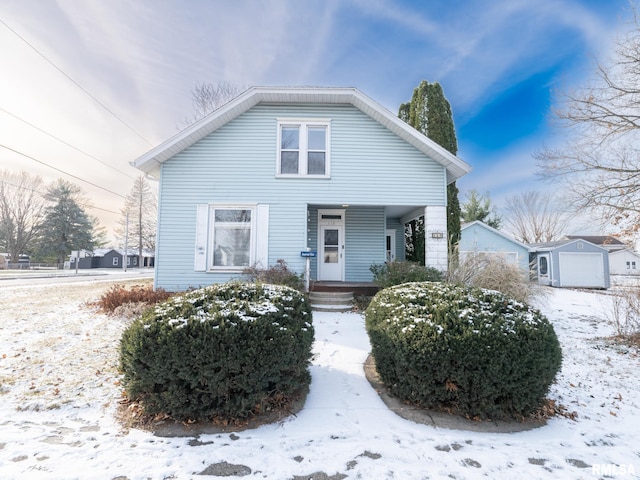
303, 148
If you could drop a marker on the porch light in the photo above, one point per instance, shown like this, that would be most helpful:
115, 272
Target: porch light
346, 205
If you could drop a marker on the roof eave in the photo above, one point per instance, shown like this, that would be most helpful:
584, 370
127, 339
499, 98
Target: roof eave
151, 161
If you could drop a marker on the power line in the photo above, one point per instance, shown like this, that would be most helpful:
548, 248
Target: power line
42, 194
65, 143
75, 83
62, 171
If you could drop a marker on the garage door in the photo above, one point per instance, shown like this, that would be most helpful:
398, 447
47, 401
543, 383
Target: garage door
581, 270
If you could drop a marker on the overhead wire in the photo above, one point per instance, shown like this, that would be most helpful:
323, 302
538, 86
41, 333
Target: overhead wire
75, 83
62, 171
42, 194
65, 143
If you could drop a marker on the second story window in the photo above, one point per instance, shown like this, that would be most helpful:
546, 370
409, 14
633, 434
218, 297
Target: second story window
303, 148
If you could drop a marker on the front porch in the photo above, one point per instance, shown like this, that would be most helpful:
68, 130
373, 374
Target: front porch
349, 239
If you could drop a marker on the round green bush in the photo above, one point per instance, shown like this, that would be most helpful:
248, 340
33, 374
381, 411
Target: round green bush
473, 351
225, 351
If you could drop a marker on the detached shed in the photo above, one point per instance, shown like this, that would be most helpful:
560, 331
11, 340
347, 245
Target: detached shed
571, 263
479, 238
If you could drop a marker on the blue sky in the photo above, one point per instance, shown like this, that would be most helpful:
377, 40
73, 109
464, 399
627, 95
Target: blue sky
123, 71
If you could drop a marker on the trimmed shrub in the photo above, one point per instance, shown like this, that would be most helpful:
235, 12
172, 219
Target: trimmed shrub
396, 273
227, 351
278, 274
473, 351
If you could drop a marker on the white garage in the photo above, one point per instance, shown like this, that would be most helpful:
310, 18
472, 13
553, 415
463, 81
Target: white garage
571, 263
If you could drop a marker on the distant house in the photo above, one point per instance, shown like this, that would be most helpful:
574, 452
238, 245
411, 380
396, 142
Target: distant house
624, 262
110, 258
571, 263
608, 242
479, 238
279, 171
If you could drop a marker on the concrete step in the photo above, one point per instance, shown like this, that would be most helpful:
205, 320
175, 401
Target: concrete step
331, 301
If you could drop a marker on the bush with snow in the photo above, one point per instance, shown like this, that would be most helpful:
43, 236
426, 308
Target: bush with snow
225, 351
473, 351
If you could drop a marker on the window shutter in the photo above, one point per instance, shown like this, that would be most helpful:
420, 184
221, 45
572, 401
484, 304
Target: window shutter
262, 236
202, 227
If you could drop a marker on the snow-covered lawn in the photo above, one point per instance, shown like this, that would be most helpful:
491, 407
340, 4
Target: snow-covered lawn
59, 393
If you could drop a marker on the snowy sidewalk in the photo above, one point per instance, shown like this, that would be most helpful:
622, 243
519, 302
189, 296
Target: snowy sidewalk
59, 393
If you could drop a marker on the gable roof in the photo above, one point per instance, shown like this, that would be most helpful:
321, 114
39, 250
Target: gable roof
494, 231
548, 246
151, 161
602, 240
624, 251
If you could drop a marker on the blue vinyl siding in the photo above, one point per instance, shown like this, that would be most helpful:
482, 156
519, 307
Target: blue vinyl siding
478, 238
365, 237
370, 167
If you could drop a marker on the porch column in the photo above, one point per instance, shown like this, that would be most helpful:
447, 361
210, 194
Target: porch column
435, 237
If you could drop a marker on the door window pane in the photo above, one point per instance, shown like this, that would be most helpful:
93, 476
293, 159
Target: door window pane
330, 254
331, 245
331, 237
544, 267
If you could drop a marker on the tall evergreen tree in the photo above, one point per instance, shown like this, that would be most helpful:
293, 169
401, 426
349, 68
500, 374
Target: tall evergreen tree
66, 226
429, 112
478, 207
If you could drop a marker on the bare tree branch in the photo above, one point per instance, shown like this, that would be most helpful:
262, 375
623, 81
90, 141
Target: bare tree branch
598, 163
21, 212
534, 217
207, 97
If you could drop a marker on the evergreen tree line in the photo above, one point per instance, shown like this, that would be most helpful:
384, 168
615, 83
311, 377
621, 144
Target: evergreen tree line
49, 222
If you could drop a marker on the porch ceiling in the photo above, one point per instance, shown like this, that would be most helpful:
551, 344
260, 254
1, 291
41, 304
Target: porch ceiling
399, 211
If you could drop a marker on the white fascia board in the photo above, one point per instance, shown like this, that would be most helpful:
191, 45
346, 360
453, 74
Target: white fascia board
150, 162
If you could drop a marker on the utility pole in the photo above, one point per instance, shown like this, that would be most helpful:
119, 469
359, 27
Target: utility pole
125, 256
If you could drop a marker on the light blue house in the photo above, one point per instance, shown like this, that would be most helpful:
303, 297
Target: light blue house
479, 238
279, 171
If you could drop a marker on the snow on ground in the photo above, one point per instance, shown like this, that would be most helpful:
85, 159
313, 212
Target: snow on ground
59, 393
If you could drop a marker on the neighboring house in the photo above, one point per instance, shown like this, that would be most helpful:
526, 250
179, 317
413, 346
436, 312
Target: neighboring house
571, 263
110, 258
624, 262
608, 242
479, 238
279, 171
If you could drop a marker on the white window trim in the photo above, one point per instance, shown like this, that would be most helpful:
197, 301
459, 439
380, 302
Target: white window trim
204, 236
210, 240
304, 124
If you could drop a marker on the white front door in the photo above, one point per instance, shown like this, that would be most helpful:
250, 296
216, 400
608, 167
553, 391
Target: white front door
331, 245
